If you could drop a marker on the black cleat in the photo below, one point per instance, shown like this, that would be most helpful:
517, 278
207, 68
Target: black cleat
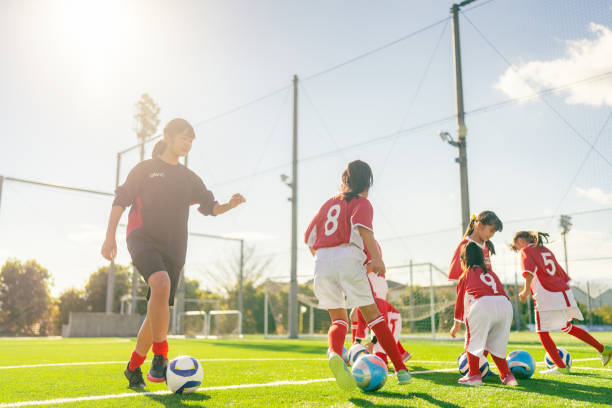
134, 377
157, 373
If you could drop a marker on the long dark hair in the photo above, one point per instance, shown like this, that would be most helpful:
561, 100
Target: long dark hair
172, 128
356, 178
485, 218
471, 255
533, 237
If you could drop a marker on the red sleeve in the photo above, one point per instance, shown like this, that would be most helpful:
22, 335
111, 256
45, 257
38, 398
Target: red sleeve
362, 214
459, 304
528, 265
455, 271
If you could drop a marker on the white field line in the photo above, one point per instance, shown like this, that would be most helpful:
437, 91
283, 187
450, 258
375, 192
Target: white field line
578, 359
202, 360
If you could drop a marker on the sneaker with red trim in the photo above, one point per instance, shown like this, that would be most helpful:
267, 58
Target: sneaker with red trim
510, 381
406, 356
472, 380
157, 373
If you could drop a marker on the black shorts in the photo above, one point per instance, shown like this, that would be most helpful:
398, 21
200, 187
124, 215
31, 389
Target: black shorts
148, 259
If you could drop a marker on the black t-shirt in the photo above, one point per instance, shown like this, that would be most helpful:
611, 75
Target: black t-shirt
160, 195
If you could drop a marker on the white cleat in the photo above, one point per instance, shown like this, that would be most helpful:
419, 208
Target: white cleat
557, 371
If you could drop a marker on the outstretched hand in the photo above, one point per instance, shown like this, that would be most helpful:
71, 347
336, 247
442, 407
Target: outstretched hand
236, 200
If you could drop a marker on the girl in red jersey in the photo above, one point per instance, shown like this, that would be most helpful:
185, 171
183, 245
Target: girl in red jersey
337, 237
555, 306
159, 192
480, 231
482, 304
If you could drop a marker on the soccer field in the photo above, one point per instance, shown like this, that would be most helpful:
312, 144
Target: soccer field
255, 372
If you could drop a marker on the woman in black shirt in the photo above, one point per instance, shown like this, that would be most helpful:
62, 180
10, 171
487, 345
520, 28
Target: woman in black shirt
159, 192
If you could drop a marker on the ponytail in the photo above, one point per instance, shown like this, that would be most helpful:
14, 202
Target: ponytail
485, 218
533, 237
471, 256
356, 178
159, 149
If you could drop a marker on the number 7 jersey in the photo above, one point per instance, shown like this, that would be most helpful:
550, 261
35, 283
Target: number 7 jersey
335, 223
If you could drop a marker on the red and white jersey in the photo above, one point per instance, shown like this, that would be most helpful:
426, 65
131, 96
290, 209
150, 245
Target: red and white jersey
389, 313
455, 270
335, 223
473, 285
549, 287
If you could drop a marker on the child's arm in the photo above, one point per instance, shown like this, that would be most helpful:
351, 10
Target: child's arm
234, 202
523, 293
367, 236
459, 308
109, 248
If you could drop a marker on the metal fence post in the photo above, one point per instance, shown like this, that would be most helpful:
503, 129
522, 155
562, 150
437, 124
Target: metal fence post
311, 322
411, 300
266, 310
431, 303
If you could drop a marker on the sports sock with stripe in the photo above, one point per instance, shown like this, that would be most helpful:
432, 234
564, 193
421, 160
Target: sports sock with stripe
336, 335
551, 349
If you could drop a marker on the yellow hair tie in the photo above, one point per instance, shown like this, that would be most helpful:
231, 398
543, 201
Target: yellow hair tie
473, 217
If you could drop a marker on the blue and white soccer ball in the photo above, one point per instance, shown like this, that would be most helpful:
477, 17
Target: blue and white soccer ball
464, 368
184, 375
345, 355
370, 372
357, 350
565, 356
521, 364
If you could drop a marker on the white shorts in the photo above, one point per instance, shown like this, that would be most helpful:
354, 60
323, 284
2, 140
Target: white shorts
549, 320
395, 326
488, 326
340, 280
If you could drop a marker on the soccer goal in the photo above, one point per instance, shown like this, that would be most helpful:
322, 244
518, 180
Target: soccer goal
224, 323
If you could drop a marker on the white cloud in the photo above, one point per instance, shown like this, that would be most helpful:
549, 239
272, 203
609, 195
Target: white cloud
584, 58
595, 194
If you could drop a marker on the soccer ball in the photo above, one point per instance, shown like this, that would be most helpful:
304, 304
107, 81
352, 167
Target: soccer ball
184, 375
464, 368
521, 364
370, 372
345, 355
357, 350
565, 356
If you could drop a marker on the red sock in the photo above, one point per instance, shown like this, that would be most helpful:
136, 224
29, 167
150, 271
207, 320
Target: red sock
586, 337
502, 366
387, 341
136, 360
336, 335
473, 364
400, 348
353, 332
161, 348
383, 357
551, 349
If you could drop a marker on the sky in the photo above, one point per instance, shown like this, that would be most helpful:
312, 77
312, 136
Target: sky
72, 72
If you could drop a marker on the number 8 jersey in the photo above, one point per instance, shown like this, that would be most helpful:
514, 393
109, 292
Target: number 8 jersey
335, 223
549, 287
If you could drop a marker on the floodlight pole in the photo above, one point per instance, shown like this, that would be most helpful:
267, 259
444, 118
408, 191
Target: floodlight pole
461, 128
293, 303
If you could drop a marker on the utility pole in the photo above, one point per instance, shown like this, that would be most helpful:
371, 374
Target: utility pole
293, 303
565, 222
461, 142
240, 284
147, 120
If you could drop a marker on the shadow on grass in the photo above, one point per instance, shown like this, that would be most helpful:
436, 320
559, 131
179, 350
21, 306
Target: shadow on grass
175, 400
558, 389
410, 398
292, 347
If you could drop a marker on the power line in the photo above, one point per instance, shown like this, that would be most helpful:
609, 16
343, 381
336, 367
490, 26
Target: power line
546, 102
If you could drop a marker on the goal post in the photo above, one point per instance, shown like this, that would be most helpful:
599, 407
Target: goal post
219, 323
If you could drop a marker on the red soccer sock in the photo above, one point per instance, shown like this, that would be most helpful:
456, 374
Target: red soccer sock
387, 341
586, 337
473, 364
161, 348
136, 360
353, 332
383, 357
400, 348
502, 366
551, 348
336, 335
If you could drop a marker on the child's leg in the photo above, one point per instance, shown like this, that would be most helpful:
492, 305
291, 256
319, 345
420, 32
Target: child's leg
378, 325
337, 330
473, 363
502, 366
400, 348
383, 357
551, 349
158, 311
584, 336
143, 344
354, 324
